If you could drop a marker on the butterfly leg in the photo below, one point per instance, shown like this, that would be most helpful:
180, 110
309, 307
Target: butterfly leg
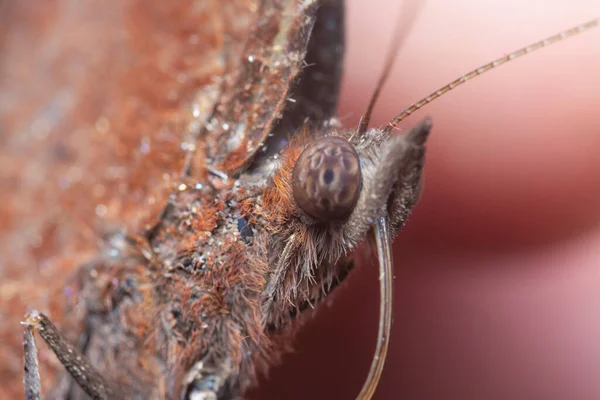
76, 363
31, 377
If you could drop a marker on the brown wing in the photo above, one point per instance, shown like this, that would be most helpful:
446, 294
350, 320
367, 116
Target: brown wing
257, 93
96, 102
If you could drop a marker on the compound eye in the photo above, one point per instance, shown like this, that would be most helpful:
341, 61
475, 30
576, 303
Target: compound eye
327, 179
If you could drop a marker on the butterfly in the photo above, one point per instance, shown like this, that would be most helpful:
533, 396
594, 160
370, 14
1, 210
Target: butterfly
218, 225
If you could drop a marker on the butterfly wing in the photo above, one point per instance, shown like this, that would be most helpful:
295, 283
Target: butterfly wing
260, 86
97, 103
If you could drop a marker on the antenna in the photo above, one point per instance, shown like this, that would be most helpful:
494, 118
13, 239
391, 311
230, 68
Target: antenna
409, 14
486, 67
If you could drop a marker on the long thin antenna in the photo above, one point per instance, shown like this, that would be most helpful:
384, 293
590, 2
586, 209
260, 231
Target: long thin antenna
381, 229
484, 68
408, 16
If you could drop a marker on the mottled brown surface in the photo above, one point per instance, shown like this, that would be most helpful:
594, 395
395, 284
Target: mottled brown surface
96, 104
